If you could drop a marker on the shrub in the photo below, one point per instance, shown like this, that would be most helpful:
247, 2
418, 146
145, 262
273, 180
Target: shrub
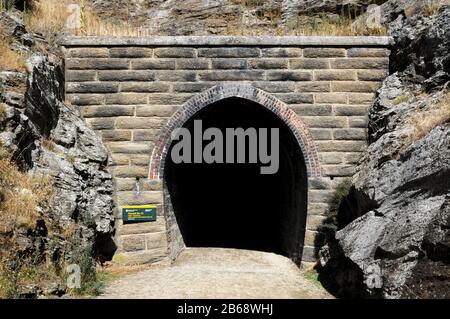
330, 225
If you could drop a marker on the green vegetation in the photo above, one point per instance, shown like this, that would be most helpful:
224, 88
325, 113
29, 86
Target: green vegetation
330, 224
312, 276
400, 99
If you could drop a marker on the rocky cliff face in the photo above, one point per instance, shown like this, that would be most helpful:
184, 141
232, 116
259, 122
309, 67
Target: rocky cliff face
224, 17
48, 138
235, 17
400, 246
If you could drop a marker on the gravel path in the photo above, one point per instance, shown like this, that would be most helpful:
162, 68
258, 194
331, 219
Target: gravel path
218, 273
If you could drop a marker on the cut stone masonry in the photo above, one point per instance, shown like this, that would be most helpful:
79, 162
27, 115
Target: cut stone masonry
135, 91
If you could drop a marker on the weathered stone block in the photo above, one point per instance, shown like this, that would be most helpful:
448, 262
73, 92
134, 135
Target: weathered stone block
231, 75
332, 98
360, 63
309, 63
313, 222
129, 184
341, 146
275, 87
309, 254
132, 242
192, 64
350, 134
85, 99
140, 122
321, 134
176, 76
126, 98
338, 170
80, 76
130, 147
319, 196
352, 158
131, 52
334, 75
240, 52
175, 52
92, 87
355, 86
191, 87
144, 197
158, 255
372, 75
358, 121
325, 121
320, 183
229, 64
317, 208
107, 111
140, 160
312, 109
145, 135
155, 110
116, 135
129, 171
331, 157
156, 240
157, 226
144, 87
289, 76
120, 159
97, 64
268, 63
168, 98
152, 64
361, 98
126, 75
87, 53
323, 52
350, 110
281, 52
368, 52
313, 87
295, 98
101, 123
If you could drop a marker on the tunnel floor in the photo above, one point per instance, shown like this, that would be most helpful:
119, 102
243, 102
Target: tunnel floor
218, 273
234, 205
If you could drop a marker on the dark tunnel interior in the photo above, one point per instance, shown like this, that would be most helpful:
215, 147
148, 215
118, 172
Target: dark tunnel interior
234, 205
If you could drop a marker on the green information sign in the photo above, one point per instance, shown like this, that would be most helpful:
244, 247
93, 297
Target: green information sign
139, 213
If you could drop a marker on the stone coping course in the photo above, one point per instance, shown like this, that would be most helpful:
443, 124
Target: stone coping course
228, 41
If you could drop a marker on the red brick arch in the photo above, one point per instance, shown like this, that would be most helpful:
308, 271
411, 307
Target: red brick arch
245, 91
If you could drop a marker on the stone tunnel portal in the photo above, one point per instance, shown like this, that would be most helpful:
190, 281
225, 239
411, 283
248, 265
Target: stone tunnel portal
234, 205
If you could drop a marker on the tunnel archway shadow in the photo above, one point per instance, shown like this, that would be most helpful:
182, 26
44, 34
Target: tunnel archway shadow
233, 205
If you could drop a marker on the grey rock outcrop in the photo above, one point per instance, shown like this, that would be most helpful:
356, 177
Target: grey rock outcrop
49, 139
399, 247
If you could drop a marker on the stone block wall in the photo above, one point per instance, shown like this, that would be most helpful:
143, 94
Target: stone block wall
128, 89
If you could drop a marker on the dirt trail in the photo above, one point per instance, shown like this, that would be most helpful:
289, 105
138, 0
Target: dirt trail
218, 273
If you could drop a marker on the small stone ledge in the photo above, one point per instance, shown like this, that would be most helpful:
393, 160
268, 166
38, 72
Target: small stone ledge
342, 41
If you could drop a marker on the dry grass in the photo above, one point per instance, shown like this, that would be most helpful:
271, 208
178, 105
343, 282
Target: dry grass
10, 60
50, 16
49, 145
432, 6
424, 121
2, 112
21, 196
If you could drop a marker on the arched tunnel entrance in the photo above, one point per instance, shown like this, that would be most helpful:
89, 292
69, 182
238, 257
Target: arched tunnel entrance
234, 205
